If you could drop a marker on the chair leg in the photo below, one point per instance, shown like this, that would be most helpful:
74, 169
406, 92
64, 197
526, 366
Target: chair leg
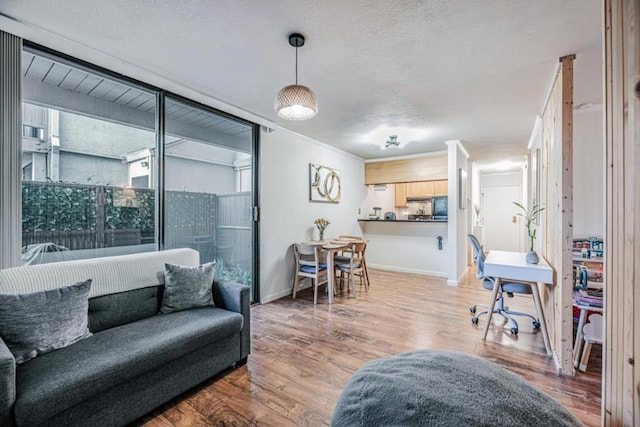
585, 356
352, 285
315, 290
295, 285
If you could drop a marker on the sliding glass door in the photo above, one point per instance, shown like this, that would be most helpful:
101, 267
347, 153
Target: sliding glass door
112, 166
208, 198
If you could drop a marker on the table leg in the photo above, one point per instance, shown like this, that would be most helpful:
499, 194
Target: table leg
577, 346
543, 321
492, 304
331, 274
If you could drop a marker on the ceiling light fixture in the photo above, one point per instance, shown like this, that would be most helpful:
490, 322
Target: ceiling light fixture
296, 102
392, 141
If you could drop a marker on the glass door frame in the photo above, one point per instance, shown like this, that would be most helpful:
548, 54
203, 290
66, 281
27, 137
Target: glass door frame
159, 166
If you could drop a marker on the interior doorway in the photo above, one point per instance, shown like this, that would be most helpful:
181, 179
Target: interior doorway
501, 230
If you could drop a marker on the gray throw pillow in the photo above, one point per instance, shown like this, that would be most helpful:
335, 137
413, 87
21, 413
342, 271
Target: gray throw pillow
37, 323
187, 287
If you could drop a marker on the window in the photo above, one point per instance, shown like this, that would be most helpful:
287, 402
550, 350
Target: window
93, 178
85, 190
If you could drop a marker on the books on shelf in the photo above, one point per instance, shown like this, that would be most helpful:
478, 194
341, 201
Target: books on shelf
588, 298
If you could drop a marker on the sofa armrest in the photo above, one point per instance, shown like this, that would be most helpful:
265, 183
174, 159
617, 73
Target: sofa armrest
7, 384
236, 297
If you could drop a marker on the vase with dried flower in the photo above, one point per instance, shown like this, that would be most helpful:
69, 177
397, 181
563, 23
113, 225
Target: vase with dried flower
530, 217
321, 225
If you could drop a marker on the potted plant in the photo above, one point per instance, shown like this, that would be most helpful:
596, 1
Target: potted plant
530, 217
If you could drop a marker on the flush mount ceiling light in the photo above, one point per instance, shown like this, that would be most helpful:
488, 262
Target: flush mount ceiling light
296, 102
392, 142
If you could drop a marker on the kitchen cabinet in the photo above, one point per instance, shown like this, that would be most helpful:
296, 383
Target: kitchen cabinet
429, 168
401, 195
420, 189
441, 188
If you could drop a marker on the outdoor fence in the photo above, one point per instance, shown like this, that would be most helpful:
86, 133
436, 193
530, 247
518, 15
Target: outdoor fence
77, 217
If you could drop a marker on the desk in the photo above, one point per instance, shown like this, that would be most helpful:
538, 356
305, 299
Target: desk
331, 248
512, 266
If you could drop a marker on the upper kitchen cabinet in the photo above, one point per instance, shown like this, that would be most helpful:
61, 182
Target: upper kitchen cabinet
433, 168
401, 195
420, 189
441, 188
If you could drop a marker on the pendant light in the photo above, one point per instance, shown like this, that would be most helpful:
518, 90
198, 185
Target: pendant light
296, 102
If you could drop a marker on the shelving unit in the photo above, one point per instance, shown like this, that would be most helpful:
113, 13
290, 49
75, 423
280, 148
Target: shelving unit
589, 253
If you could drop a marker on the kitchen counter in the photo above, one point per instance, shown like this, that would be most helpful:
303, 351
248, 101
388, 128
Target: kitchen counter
421, 248
404, 220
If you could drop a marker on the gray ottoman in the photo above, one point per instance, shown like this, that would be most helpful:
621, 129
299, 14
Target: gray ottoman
443, 388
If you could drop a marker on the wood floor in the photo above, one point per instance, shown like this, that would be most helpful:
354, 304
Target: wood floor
302, 355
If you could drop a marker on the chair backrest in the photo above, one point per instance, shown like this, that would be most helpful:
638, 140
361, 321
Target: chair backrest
306, 254
356, 253
479, 254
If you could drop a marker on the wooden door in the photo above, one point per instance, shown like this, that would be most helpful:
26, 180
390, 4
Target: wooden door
499, 214
401, 195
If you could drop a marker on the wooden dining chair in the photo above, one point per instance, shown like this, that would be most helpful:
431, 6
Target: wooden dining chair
308, 265
352, 264
364, 259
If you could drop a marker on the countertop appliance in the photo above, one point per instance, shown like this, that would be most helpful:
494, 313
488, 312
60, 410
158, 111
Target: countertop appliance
390, 216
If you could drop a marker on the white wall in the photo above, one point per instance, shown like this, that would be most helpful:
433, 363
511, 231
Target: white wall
588, 173
196, 176
458, 218
287, 215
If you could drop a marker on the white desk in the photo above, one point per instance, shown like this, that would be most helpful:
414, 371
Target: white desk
512, 266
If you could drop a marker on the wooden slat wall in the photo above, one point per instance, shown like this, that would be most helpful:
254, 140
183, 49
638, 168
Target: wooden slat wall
621, 403
557, 175
396, 171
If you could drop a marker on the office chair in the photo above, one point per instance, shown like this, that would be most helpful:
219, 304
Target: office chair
509, 288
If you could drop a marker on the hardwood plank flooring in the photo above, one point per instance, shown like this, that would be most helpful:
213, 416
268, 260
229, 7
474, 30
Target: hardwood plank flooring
303, 355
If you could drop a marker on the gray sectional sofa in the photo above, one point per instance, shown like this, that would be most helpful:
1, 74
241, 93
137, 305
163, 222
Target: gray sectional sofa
136, 359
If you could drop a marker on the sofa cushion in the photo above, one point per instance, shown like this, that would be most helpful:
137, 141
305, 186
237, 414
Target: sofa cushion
187, 287
37, 323
108, 311
56, 381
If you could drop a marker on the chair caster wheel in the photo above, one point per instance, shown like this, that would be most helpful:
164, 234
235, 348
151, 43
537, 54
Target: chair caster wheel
514, 331
536, 324
473, 309
474, 320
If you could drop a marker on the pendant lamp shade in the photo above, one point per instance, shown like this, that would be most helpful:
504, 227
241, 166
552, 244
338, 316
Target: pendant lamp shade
296, 102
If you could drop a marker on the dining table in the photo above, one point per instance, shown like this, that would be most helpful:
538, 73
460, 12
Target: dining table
331, 247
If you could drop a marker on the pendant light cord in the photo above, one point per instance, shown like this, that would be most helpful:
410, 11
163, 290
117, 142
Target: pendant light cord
296, 65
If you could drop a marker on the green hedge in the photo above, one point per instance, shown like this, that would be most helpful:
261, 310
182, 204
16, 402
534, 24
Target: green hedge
59, 207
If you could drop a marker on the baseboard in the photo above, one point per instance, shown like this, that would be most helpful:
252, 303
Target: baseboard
452, 282
275, 296
407, 270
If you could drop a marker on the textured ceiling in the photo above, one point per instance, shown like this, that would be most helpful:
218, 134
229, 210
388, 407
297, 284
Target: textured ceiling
477, 71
